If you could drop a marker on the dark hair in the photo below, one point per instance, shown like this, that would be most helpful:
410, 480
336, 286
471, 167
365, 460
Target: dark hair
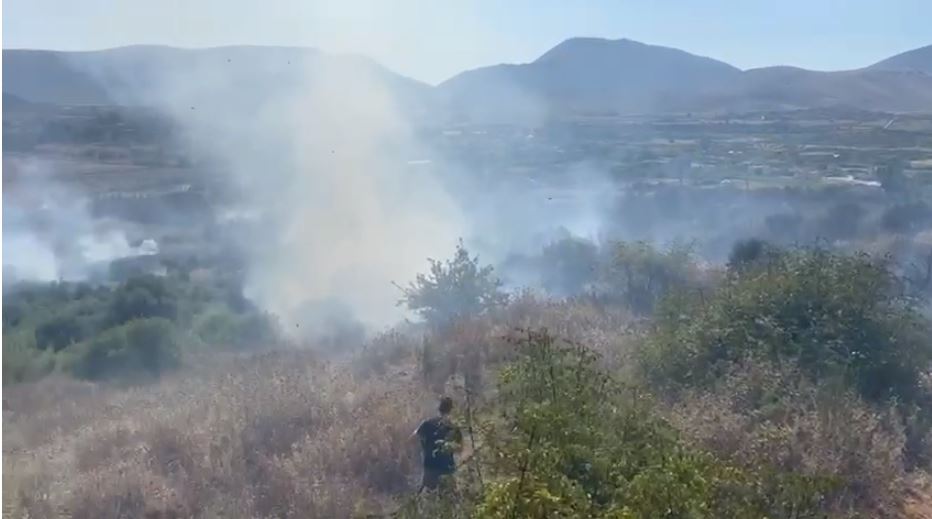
446, 405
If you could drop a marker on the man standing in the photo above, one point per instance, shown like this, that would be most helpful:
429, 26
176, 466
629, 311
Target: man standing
440, 438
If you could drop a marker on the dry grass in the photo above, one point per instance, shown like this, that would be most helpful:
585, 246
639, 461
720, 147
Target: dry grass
281, 435
284, 434
765, 416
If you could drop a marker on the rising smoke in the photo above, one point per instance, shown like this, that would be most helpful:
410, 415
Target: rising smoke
49, 231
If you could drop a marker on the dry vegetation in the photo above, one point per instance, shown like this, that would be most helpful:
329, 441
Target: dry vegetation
287, 434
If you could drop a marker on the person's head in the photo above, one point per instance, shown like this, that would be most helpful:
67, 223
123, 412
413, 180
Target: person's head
446, 405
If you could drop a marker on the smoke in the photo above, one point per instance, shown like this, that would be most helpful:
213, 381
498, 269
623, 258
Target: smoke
49, 232
332, 207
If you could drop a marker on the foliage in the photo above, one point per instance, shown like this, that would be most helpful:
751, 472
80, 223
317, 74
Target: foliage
575, 443
48, 323
22, 361
59, 332
220, 326
452, 290
747, 254
141, 346
142, 297
832, 315
640, 275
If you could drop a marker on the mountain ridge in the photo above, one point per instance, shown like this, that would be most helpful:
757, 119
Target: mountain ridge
577, 76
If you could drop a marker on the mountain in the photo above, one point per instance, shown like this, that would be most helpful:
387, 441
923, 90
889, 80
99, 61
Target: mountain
147, 75
590, 75
578, 76
917, 60
44, 76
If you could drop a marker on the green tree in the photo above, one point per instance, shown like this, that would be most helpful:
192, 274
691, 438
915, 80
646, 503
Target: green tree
573, 442
640, 275
454, 289
137, 347
142, 297
835, 316
569, 265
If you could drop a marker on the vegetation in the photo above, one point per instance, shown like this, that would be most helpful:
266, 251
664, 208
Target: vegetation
456, 289
796, 384
575, 443
833, 316
139, 326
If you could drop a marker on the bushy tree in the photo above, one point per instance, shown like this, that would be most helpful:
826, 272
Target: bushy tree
639, 274
573, 442
834, 316
143, 297
569, 265
454, 289
751, 253
60, 332
138, 347
222, 327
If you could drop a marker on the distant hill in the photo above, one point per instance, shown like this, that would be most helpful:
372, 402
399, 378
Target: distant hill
790, 88
14, 103
590, 75
578, 76
43, 76
145, 75
917, 60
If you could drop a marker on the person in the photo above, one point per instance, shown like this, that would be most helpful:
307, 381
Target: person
440, 438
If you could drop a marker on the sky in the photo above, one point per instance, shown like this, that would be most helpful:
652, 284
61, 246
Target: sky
432, 40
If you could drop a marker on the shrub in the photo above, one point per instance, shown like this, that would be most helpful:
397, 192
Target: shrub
22, 361
59, 332
575, 443
640, 275
750, 253
141, 346
222, 327
454, 289
143, 297
832, 315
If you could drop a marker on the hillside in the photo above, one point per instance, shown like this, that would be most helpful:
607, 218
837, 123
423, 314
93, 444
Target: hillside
579, 76
150, 75
916, 60
589, 75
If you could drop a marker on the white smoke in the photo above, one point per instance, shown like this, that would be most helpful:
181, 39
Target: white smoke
49, 232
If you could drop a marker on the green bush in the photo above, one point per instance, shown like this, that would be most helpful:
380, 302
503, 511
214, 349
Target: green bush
143, 297
141, 346
569, 266
832, 315
59, 332
455, 289
22, 361
751, 253
640, 275
572, 442
220, 326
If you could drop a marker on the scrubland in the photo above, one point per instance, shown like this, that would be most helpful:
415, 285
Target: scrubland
788, 385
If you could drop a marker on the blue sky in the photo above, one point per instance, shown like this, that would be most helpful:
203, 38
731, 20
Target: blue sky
434, 39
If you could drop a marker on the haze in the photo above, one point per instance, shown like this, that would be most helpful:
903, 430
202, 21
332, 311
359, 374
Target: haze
432, 41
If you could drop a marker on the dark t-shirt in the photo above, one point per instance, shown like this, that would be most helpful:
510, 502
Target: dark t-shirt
436, 435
